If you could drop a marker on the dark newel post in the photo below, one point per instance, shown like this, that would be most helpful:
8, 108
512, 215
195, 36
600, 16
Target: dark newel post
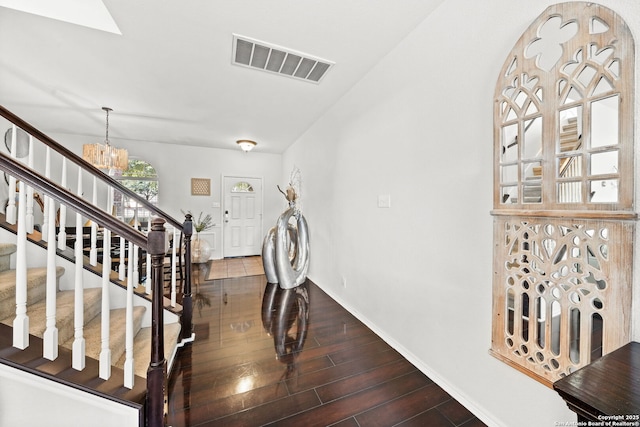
157, 372
187, 302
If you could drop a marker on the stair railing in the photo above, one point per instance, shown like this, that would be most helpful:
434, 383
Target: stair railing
113, 187
28, 180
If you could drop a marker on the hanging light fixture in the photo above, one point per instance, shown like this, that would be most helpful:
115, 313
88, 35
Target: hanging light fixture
246, 144
104, 156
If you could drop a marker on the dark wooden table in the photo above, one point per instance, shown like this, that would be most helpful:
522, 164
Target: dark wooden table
607, 389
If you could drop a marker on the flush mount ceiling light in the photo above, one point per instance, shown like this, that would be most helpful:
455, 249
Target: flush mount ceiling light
248, 52
246, 144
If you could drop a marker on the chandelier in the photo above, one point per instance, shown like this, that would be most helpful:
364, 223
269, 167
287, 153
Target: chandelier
105, 156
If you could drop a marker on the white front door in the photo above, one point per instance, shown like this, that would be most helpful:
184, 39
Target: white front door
242, 216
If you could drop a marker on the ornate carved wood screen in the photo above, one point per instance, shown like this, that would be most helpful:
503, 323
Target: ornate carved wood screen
563, 192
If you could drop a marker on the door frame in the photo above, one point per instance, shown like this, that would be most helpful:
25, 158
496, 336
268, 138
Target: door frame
223, 203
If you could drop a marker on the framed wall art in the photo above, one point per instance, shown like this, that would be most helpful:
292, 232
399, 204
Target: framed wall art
200, 187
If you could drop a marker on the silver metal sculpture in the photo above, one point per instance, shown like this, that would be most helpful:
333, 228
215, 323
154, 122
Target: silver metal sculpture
285, 316
285, 250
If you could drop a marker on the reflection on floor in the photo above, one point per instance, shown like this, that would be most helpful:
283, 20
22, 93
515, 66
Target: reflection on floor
264, 356
235, 267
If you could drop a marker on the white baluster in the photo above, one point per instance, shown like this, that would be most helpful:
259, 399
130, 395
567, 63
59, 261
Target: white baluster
30, 190
128, 360
62, 234
47, 200
133, 256
78, 353
93, 253
21, 322
10, 212
50, 350
174, 267
122, 272
134, 261
105, 351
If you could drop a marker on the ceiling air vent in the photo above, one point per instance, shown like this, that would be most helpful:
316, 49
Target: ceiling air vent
263, 56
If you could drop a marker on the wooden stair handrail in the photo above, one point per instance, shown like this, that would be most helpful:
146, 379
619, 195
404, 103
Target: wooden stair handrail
70, 155
23, 173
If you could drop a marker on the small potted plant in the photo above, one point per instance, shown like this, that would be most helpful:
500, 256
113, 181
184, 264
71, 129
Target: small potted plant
200, 249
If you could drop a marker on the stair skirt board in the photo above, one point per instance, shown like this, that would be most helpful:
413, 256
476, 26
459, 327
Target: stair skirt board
58, 405
30, 360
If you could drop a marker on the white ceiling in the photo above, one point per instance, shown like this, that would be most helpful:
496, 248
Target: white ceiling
168, 77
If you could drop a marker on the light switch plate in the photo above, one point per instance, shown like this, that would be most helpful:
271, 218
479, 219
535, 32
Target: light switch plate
384, 200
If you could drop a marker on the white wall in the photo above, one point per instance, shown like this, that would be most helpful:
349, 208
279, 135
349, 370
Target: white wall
176, 165
58, 405
418, 127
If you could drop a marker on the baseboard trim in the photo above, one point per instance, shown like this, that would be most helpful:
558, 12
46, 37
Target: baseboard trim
454, 391
187, 340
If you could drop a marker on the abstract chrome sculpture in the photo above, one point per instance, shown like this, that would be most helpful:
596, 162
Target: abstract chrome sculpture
285, 250
285, 316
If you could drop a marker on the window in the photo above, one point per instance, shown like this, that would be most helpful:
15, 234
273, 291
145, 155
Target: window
142, 179
563, 192
242, 187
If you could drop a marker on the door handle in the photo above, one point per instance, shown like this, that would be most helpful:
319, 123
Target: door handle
226, 216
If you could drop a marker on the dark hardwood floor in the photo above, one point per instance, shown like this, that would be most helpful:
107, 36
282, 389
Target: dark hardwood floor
263, 356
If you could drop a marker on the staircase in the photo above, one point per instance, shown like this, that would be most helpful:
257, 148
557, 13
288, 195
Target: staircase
75, 337
36, 280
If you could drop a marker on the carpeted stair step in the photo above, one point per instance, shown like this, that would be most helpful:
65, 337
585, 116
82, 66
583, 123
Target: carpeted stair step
36, 292
142, 347
64, 313
36, 289
117, 333
6, 249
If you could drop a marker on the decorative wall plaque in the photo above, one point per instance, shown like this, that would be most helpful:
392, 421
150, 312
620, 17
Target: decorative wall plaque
200, 187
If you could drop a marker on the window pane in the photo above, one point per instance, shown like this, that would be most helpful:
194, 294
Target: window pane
532, 171
242, 187
541, 317
570, 129
604, 163
596, 336
509, 174
510, 311
532, 138
509, 143
509, 194
604, 191
570, 192
570, 167
604, 122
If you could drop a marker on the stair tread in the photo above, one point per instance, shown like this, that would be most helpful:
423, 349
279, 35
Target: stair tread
142, 347
7, 248
64, 312
117, 332
36, 279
